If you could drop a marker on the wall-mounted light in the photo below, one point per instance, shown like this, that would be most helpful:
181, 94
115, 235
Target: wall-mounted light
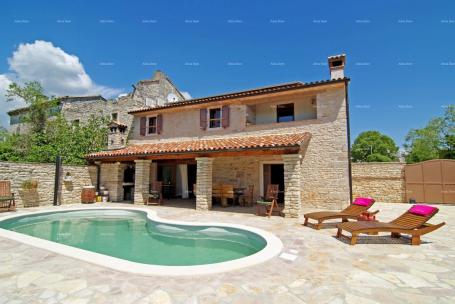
68, 178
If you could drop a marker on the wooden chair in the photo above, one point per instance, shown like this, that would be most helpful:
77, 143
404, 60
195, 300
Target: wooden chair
269, 201
7, 199
155, 196
407, 223
350, 212
246, 199
227, 192
217, 192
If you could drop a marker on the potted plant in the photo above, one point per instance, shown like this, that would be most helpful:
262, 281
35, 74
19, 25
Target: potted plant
29, 193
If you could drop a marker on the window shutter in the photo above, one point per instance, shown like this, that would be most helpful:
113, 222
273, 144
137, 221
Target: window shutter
159, 123
203, 119
143, 127
225, 116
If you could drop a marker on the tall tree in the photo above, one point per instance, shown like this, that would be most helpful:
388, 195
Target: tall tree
372, 146
435, 140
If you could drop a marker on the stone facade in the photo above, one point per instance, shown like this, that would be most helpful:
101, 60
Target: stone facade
292, 188
204, 183
44, 174
382, 181
111, 177
142, 182
325, 173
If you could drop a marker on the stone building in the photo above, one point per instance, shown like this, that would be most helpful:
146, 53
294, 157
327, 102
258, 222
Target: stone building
295, 135
156, 91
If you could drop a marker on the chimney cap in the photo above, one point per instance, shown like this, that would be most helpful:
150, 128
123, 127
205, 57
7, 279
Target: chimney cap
340, 56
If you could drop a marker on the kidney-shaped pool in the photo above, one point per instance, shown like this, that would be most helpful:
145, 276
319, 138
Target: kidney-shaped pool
136, 240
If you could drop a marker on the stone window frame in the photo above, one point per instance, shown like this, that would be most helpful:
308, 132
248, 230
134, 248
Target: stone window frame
147, 125
116, 116
220, 119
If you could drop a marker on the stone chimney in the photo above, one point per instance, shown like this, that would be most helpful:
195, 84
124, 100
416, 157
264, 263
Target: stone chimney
117, 136
336, 66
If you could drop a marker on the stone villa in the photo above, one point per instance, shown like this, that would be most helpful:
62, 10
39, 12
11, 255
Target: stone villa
294, 134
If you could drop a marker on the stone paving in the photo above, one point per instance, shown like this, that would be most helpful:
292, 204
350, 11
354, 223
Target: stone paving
326, 270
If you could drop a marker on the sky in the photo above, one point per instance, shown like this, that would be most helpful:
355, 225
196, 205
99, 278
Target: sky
400, 54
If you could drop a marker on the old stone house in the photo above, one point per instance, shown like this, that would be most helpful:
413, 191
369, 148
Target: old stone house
294, 134
77, 109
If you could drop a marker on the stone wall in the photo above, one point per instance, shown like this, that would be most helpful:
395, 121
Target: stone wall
44, 174
382, 181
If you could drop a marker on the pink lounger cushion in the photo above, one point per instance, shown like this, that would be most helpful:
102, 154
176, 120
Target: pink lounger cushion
423, 210
363, 201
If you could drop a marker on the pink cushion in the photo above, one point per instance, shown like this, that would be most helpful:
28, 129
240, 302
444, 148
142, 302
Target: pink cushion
363, 201
422, 210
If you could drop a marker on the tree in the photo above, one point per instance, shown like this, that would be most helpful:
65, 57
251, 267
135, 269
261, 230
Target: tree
49, 138
39, 105
372, 146
435, 140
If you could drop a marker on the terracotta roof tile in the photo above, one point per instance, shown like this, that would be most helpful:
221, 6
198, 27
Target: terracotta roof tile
208, 145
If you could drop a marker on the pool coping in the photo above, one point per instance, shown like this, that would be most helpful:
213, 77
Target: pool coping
273, 248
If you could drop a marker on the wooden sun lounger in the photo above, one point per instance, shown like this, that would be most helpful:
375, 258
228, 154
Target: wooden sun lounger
407, 223
350, 212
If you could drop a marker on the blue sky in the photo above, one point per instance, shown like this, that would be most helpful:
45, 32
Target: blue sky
400, 54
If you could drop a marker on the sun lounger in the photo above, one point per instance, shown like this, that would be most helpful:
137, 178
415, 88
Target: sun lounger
351, 212
413, 222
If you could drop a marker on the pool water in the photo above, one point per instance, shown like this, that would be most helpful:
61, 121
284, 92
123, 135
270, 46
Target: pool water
131, 235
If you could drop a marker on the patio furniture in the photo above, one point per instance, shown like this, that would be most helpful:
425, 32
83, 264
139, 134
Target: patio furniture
155, 196
7, 199
238, 192
269, 201
246, 199
216, 192
413, 222
359, 205
227, 192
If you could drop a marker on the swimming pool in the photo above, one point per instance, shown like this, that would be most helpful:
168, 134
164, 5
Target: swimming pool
136, 240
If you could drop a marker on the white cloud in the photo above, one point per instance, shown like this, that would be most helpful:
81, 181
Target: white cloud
58, 72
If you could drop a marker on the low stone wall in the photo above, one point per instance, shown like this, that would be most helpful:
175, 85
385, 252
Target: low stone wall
44, 174
382, 181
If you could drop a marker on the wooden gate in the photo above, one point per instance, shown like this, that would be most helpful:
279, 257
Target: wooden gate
431, 181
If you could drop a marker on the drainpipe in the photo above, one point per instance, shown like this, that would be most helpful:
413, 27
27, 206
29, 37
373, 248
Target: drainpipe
58, 166
346, 81
98, 175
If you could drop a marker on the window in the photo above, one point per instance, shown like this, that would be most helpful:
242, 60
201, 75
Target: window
114, 116
285, 112
215, 118
76, 122
151, 126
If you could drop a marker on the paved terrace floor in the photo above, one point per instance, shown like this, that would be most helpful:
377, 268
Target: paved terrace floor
327, 270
